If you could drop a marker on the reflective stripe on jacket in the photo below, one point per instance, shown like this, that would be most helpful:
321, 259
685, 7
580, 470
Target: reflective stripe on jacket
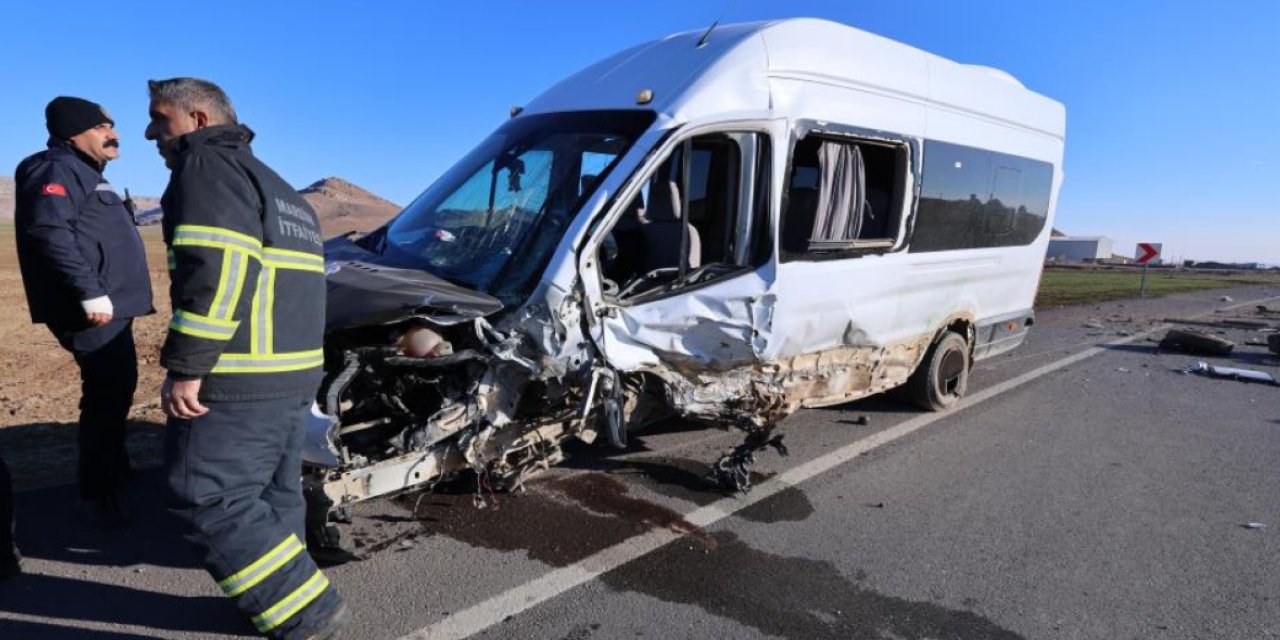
246, 270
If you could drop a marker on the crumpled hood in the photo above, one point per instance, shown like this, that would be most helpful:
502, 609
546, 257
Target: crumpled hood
364, 289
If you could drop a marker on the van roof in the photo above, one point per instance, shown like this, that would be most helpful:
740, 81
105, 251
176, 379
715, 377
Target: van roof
734, 69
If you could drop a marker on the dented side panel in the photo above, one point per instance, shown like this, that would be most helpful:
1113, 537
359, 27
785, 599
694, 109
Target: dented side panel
709, 328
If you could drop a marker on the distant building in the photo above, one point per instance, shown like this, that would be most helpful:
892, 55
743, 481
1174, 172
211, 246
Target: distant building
1079, 249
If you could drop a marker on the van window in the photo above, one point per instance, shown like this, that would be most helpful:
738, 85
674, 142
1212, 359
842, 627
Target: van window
973, 198
844, 196
493, 221
692, 222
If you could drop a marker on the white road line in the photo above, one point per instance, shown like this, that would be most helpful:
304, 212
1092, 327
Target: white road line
488, 613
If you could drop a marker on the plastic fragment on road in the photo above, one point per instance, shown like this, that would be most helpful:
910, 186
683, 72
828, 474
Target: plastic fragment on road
1243, 375
1254, 525
1094, 324
1226, 299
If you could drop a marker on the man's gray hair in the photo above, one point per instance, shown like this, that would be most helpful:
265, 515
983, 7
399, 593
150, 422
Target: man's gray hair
190, 94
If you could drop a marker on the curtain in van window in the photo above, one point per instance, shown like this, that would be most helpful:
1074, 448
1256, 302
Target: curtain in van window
842, 180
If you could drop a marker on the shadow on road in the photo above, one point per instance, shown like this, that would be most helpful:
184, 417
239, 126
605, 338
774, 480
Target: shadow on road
45, 631
47, 528
70, 599
43, 454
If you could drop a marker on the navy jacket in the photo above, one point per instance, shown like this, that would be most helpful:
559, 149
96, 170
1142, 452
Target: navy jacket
76, 240
247, 273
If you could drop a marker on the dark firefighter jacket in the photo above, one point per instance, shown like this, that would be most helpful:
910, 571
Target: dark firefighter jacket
246, 273
76, 240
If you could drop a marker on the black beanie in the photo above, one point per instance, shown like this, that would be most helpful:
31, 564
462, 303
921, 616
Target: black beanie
66, 117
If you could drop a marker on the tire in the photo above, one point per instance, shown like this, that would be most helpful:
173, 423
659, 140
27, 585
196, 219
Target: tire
943, 376
1196, 342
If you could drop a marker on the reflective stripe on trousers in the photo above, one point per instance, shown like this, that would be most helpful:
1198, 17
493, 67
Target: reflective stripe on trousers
233, 476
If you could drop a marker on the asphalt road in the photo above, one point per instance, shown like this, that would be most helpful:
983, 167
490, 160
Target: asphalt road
1087, 489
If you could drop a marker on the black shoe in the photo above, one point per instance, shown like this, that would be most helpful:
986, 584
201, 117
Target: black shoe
332, 627
10, 568
107, 513
326, 557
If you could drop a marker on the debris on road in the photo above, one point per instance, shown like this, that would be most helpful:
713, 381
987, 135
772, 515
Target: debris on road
1254, 525
1230, 323
1243, 375
1226, 299
1123, 370
1196, 342
1094, 324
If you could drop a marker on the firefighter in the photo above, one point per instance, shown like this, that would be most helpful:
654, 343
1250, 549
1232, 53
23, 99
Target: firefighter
244, 358
85, 275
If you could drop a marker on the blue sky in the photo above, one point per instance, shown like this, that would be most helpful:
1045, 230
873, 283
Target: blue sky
1172, 107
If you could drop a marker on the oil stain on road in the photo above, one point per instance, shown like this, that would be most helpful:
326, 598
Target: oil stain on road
790, 597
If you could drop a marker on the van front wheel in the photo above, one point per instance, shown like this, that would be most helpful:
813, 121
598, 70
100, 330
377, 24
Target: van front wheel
942, 377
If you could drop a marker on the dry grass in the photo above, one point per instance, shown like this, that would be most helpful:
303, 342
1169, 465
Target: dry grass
1067, 286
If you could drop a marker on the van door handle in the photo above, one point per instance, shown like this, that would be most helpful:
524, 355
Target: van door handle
606, 311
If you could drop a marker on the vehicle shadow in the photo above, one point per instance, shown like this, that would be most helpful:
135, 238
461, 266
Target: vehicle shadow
893, 401
69, 599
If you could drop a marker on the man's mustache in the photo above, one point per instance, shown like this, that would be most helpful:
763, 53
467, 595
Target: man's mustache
111, 143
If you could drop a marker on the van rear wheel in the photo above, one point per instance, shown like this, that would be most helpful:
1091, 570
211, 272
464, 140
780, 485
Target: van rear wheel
943, 376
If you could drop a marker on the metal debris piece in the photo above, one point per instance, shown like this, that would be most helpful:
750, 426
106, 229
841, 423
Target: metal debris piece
1243, 375
1094, 324
1254, 525
732, 470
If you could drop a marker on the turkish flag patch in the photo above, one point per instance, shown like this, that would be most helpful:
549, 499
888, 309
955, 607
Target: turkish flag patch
54, 189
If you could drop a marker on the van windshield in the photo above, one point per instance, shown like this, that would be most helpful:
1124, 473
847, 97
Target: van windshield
492, 222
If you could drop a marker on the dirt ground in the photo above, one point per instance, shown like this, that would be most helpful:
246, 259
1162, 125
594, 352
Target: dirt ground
40, 385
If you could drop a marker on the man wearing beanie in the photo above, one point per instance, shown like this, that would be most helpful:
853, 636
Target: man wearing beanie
85, 275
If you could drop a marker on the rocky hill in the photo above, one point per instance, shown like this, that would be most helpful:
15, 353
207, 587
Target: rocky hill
340, 205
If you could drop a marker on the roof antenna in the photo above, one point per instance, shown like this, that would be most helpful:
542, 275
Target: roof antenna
702, 42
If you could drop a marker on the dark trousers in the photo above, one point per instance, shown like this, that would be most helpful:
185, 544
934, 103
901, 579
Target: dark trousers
234, 476
108, 377
8, 550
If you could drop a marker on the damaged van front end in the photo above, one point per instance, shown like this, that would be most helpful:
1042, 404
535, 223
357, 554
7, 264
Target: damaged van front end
438, 360
720, 229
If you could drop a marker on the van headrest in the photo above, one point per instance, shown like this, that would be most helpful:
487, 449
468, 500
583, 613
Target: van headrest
664, 202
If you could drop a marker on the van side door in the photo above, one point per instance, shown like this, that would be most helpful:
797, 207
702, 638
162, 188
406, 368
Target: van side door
679, 276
